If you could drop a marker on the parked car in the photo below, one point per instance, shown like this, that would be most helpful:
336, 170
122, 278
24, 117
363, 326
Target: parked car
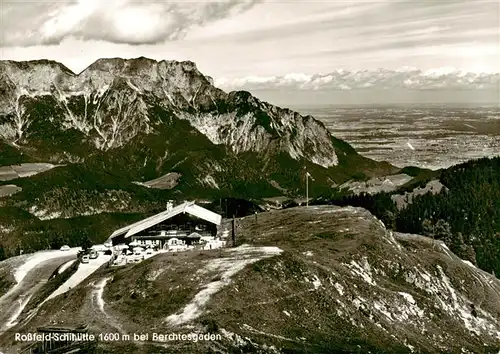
93, 254
108, 253
65, 248
85, 258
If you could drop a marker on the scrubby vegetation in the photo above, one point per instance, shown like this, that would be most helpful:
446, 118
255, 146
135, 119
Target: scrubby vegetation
6, 280
229, 207
466, 216
38, 234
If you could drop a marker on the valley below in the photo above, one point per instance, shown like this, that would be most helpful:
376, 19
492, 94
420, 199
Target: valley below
428, 136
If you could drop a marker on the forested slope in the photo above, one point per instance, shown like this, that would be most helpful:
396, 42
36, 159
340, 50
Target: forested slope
465, 214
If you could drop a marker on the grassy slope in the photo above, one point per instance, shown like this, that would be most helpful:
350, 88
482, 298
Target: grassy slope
52, 285
254, 304
6, 280
421, 177
354, 165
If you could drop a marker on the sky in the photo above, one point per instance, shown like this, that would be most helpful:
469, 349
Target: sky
329, 51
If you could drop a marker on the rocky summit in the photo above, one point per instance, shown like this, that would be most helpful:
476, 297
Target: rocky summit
113, 101
121, 127
126, 136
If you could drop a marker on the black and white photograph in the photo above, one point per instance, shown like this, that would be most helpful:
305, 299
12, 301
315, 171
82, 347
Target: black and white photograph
249, 176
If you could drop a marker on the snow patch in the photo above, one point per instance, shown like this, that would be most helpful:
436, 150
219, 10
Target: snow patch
13, 319
133, 87
40, 257
84, 271
44, 214
382, 308
210, 181
6, 229
408, 297
339, 288
65, 266
316, 282
233, 337
469, 264
363, 271
239, 258
99, 290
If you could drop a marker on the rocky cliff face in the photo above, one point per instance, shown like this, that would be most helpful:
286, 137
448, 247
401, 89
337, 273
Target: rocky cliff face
120, 126
114, 101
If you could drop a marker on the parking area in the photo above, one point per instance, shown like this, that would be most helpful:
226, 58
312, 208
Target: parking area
126, 254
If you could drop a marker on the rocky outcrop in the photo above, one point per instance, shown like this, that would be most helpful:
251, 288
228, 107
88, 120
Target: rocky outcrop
114, 101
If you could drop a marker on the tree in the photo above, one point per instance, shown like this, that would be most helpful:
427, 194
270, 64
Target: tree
468, 253
442, 231
428, 228
86, 244
389, 220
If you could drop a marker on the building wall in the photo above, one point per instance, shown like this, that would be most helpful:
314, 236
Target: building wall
181, 222
184, 224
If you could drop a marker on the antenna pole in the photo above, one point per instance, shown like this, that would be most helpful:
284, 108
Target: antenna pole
307, 189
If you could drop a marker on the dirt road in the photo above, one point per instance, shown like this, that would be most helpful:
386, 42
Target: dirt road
13, 302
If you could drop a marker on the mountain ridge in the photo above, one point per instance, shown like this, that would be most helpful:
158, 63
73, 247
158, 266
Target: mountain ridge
109, 134
177, 86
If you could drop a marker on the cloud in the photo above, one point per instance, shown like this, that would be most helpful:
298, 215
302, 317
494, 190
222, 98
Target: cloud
117, 21
233, 39
344, 80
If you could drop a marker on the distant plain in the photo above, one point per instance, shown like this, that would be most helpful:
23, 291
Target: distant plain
427, 136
